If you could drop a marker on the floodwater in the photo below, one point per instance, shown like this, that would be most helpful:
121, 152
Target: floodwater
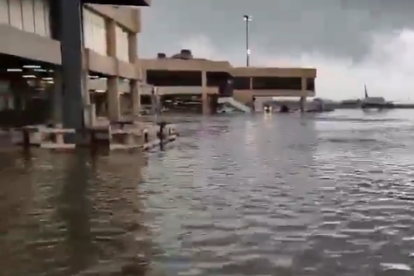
323, 195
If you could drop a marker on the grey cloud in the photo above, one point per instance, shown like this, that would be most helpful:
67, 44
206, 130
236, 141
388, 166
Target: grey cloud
334, 27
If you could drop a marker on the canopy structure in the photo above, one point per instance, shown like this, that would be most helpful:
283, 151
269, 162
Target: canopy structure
119, 2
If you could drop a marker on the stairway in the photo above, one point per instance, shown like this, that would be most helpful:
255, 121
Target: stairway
235, 104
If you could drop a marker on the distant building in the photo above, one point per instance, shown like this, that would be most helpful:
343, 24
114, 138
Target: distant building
374, 100
182, 73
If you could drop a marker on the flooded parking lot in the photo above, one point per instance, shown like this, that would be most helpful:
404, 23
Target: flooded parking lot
329, 194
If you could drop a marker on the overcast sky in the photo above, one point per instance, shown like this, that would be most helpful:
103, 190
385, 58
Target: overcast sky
350, 42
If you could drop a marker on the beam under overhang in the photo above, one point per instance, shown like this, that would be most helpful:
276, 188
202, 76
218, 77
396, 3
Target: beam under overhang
136, 3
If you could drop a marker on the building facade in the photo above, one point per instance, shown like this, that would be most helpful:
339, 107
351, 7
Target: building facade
254, 82
31, 39
188, 75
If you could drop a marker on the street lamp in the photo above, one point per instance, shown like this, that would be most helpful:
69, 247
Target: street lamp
247, 19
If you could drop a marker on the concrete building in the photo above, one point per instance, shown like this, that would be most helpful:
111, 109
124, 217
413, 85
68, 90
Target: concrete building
186, 76
36, 40
183, 74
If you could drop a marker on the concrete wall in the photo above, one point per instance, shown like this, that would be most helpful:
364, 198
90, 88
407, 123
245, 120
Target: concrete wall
274, 72
185, 65
33, 15
94, 29
25, 32
225, 66
27, 15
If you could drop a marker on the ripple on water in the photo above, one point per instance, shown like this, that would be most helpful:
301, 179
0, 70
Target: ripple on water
325, 202
329, 194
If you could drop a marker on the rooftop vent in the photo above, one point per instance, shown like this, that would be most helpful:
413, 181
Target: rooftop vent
161, 55
184, 54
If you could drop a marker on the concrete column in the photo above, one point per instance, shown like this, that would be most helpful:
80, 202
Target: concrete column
73, 72
135, 97
155, 105
302, 104
134, 84
302, 100
144, 75
112, 93
114, 107
57, 104
204, 96
92, 115
88, 108
304, 87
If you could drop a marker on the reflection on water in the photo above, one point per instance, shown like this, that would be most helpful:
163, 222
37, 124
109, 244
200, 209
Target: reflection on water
62, 214
328, 194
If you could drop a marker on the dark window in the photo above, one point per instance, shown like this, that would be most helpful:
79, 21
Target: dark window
145, 99
241, 83
310, 84
226, 89
277, 83
54, 19
174, 78
216, 79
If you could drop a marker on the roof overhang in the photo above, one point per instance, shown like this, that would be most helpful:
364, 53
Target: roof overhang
136, 3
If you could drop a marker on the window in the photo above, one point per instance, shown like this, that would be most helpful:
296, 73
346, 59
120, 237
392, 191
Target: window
174, 78
16, 19
145, 99
310, 84
86, 29
226, 88
241, 83
277, 83
100, 35
54, 19
48, 32
5, 95
94, 32
4, 11
28, 16
217, 79
122, 47
39, 17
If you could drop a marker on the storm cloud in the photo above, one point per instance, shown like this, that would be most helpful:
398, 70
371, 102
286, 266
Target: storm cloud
350, 42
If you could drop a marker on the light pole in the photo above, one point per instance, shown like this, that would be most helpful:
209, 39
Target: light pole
247, 19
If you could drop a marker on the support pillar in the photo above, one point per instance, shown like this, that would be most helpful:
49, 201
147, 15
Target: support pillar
155, 105
114, 107
73, 73
204, 96
112, 93
302, 100
302, 104
57, 104
134, 84
136, 98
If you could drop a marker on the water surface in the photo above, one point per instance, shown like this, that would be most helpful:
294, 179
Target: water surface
329, 194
